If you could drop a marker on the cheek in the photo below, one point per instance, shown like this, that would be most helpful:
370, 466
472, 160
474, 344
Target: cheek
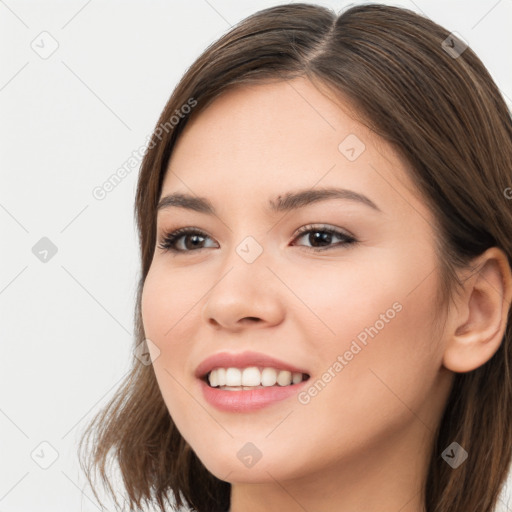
168, 298
390, 358
169, 317
340, 302
153, 301
379, 322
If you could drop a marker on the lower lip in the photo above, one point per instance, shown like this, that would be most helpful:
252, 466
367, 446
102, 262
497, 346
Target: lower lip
248, 400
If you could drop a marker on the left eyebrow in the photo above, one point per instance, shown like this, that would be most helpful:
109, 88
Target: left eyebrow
301, 198
290, 201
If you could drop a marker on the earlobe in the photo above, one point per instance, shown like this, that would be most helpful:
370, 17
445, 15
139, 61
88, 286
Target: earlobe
479, 321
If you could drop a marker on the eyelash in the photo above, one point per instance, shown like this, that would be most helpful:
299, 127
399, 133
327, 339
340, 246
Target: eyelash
169, 239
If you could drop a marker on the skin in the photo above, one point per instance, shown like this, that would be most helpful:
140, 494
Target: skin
363, 442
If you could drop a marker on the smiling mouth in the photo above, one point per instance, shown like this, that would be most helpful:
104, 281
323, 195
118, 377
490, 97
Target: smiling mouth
253, 377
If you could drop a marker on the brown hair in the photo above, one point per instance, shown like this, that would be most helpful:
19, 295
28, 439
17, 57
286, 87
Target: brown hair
446, 118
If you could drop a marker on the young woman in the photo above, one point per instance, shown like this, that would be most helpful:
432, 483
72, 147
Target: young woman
325, 222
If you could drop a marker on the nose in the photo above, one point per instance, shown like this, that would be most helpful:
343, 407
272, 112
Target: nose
246, 295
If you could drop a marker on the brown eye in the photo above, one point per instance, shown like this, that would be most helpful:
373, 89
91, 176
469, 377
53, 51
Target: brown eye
321, 238
184, 240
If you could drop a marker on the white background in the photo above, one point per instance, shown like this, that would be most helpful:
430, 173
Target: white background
67, 124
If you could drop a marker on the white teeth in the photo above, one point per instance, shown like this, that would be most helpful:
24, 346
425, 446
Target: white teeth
296, 378
251, 377
221, 376
233, 377
268, 377
213, 378
284, 378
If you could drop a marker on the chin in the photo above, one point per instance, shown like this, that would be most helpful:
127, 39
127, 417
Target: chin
234, 471
236, 465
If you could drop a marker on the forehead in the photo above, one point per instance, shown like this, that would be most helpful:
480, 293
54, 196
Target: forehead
269, 138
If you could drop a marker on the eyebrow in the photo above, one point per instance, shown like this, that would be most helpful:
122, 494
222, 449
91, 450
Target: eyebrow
290, 201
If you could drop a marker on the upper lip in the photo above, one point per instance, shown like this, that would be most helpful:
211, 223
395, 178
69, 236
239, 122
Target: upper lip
242, 360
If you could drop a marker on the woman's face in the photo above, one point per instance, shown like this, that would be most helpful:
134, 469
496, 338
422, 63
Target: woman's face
352, 308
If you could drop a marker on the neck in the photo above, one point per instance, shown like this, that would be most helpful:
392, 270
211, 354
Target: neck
388, 476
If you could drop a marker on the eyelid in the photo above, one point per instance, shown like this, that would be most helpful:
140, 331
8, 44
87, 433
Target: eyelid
323, 227
176, 234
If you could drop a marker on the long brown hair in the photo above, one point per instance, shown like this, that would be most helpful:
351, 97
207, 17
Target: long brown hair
445, 116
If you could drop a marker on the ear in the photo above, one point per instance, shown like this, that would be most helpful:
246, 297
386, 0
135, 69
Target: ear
477, 324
